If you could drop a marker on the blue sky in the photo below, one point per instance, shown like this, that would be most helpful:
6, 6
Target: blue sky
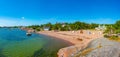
31, 12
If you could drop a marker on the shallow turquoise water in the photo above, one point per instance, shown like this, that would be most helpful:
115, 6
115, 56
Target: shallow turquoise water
15, 43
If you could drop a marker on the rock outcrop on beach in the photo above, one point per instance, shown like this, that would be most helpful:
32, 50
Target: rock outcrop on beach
69, 51
101, 48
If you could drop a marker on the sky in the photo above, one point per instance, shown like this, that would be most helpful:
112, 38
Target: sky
36, 12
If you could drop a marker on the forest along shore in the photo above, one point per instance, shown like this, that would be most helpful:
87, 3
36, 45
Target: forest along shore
78, 38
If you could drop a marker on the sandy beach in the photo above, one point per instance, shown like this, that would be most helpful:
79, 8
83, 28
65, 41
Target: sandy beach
80, 40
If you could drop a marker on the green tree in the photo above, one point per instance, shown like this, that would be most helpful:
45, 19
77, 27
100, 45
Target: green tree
57, 26
117, 25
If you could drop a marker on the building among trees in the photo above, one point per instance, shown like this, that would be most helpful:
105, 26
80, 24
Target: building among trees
101, 27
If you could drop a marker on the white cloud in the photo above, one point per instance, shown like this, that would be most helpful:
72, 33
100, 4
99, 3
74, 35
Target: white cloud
23, 17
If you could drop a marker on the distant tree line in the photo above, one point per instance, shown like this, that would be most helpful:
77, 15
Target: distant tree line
65, 26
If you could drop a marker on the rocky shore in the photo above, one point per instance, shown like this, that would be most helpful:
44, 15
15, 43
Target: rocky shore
101, 47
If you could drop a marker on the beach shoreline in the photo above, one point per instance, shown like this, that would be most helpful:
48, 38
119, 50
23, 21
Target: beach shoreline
76, 39
69, 43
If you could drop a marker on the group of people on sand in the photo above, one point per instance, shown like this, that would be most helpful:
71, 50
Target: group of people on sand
88, 32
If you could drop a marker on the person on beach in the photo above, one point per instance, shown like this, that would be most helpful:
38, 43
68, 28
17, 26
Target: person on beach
89, 32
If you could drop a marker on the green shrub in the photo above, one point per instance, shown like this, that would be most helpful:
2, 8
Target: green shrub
106, 36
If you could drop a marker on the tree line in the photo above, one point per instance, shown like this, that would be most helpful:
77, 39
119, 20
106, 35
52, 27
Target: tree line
65, 26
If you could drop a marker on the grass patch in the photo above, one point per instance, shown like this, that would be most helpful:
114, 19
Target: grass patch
114, 39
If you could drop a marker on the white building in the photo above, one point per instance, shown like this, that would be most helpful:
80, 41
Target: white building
101, 27
46, 28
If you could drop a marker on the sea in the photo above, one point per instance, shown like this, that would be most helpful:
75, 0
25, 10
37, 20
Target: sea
15, 43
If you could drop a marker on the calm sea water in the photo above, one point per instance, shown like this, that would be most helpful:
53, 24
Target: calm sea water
15, 43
